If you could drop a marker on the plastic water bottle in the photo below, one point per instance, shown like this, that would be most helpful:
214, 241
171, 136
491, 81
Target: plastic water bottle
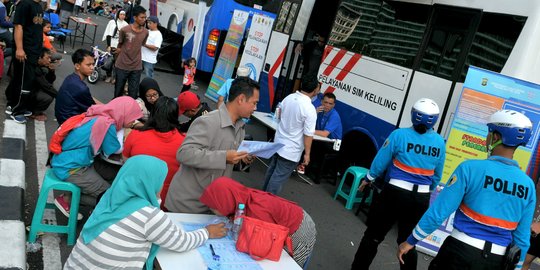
277, 113
238, 221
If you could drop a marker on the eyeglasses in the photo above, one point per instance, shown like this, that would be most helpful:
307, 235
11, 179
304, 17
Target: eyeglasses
156, 95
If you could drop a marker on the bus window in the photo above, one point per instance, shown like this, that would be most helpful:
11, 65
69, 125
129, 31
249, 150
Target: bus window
451, 32
281, 19
291, 18
267, 5
391, 32
493, 42
286, 17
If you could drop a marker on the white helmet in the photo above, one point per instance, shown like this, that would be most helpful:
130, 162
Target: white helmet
425, 111
514, 127
243, 71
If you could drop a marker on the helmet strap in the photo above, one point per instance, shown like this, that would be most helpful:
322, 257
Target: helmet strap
492, 145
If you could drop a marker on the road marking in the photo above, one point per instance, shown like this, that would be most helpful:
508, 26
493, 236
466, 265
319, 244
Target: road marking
12, 172
50, 241
14, 130
12, 255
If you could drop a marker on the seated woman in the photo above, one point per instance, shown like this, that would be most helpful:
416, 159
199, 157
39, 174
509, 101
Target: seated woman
158, 138
95, 134
127, 227
148, 95
224, 194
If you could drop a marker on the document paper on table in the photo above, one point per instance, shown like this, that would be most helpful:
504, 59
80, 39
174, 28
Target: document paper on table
260, 149
225, 247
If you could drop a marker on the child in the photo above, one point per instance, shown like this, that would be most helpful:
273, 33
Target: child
54, 55
189, 74
74, 96
151, 48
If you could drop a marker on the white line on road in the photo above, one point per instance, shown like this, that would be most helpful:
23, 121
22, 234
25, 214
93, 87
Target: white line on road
50, 241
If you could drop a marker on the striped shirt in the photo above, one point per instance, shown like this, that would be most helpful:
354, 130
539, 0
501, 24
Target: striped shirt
126, 244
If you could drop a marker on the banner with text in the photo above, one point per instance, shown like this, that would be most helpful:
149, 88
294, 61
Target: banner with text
484, 92
229, 53
256, 44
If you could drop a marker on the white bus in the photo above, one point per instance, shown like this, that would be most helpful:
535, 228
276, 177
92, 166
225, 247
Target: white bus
384, 55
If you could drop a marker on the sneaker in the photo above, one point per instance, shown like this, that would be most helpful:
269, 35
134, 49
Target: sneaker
63, 206
27, 113
19, 119
8, 110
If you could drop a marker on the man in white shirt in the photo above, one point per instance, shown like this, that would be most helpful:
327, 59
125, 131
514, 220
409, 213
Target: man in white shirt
295, 130
150, 49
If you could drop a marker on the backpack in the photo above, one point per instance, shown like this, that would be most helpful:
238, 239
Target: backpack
55, 146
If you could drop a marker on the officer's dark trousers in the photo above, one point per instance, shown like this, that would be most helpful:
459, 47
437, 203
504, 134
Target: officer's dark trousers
456, 255
394, 205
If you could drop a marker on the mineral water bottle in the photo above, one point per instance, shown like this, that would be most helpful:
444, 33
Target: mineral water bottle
277, 113
238, 221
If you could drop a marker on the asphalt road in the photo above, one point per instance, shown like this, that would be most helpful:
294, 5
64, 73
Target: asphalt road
339, 230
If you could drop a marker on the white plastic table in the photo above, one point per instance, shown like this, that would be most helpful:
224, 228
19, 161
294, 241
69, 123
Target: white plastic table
170, 260
269, 122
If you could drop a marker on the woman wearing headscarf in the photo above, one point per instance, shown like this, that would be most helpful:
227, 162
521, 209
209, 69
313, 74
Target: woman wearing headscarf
148, 95
158, 138
95, 134
127, 227
111, 36
224, 194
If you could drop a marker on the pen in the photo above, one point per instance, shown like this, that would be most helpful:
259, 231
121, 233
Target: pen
212, 249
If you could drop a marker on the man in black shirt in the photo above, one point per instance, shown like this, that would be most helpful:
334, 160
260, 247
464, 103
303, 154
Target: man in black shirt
28, 35
190, 106
66, 10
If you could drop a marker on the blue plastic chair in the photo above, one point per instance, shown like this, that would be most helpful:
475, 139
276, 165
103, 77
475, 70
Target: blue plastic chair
55, 24
51, 182
349, 193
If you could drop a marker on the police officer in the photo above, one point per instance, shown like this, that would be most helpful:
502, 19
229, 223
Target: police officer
493, 199
413, 158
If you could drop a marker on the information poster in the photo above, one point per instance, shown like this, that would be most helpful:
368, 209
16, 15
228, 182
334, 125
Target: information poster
484, 92
256, 44
229, 53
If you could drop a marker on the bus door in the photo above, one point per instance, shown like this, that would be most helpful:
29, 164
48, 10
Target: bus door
439, 63
274, 67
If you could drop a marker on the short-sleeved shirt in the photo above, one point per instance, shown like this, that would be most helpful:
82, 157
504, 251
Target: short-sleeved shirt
298, 117
73, 98
154, 38
225, 88
130, 42
330, 122
29, 14
77, 150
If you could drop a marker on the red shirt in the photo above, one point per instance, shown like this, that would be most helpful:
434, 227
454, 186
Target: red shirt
157, 144
189, 75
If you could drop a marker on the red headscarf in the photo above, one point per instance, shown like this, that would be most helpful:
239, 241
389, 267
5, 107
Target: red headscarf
120, 111
224, 194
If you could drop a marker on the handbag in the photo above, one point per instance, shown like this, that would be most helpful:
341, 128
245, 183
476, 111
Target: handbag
263, 240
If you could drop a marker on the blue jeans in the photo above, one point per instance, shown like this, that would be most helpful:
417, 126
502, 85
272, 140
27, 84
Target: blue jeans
148, 69
279, 171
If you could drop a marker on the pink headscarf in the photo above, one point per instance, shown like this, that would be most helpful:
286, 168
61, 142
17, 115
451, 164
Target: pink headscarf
120, 111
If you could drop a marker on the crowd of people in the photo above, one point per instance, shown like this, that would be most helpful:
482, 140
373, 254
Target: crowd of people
168, 166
